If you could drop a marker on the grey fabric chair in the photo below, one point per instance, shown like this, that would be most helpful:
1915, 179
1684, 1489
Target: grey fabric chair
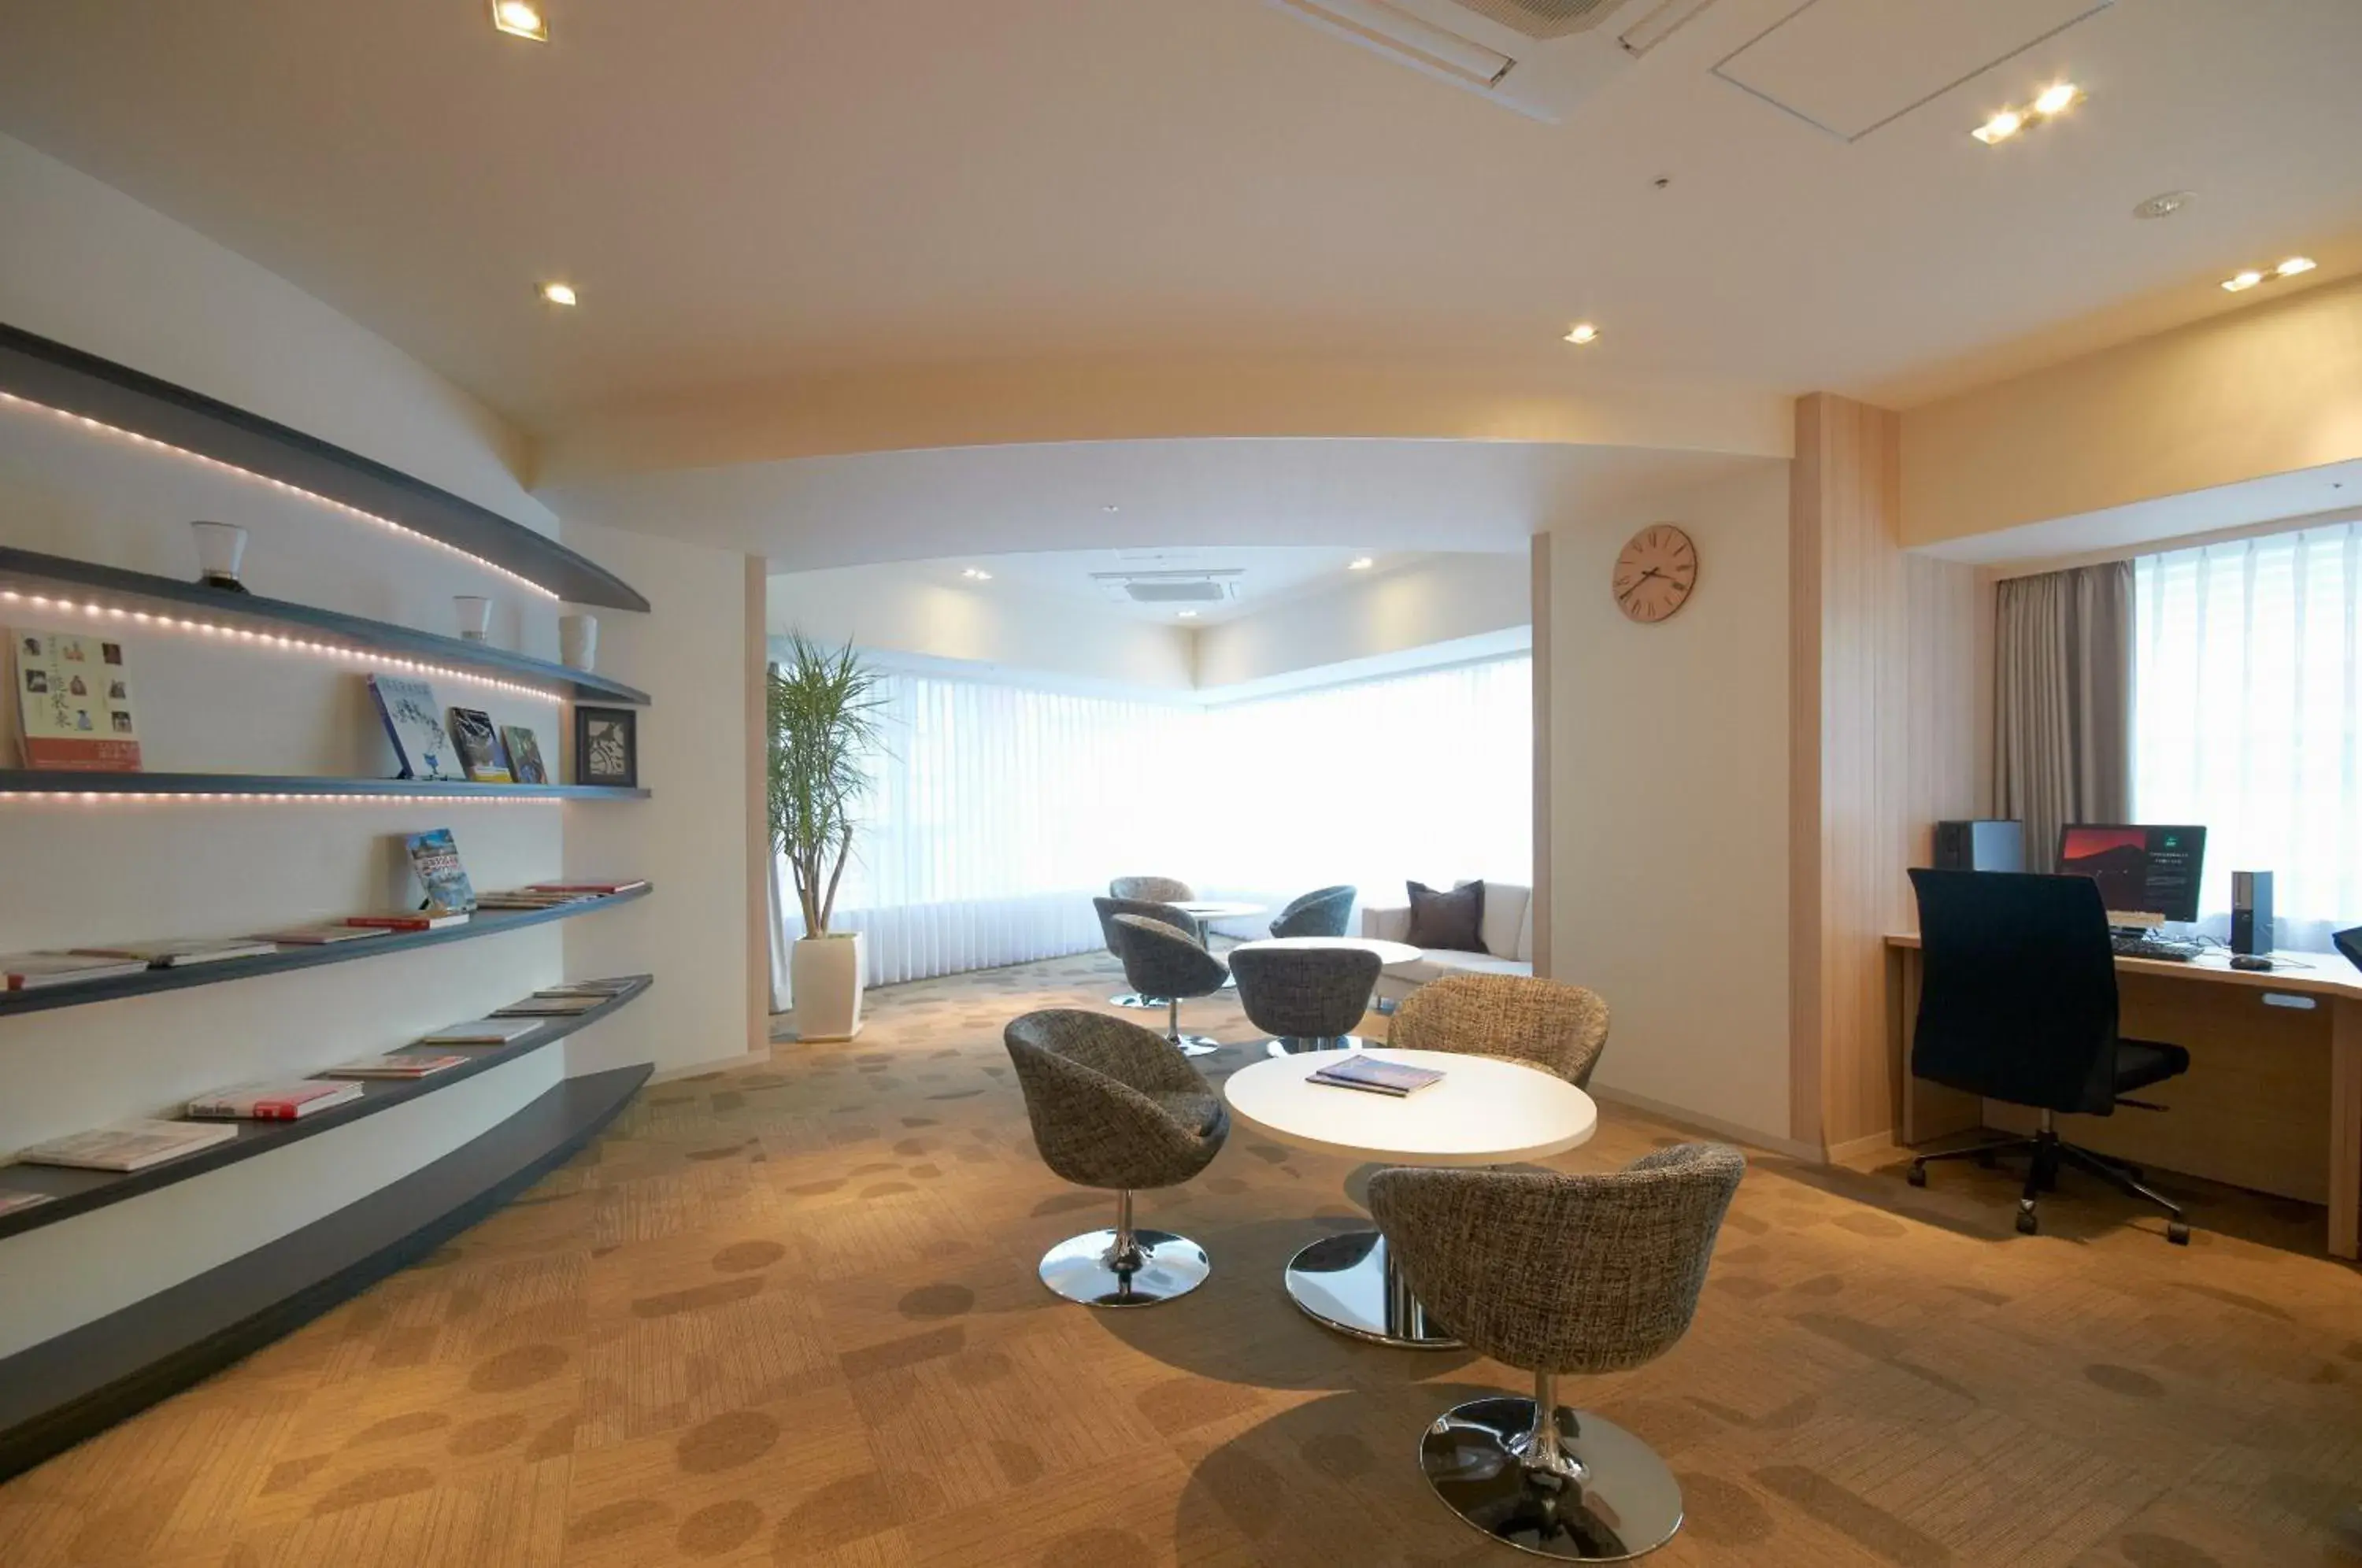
1112, 1107
1151, 890
1558, 1273
1321, 912
1161, 960
1559, 1028
1109, 907
1306, 999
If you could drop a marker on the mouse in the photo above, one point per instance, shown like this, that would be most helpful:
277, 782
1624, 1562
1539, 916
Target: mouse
2250, 960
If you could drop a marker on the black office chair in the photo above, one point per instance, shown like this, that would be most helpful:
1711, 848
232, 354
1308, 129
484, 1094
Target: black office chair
2017, 1003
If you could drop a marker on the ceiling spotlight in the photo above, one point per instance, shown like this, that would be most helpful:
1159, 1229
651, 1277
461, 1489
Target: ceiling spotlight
1110, 506
520, 19
976, 574
1584, 332
1188, 614
2292, 266
558, 294
2056, 97
2244, 281
1360, 563
2000, 128
2165, 206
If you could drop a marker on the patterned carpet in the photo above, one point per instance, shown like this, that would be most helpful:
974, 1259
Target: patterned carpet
789, 1315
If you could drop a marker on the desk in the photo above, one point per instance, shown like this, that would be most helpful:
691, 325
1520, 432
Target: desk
2250, 1112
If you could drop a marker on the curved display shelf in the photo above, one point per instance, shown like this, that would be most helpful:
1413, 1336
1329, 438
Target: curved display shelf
34, 781
487, 923
55, 376
76, 1191
30, 573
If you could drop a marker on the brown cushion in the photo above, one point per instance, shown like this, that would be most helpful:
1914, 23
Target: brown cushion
1452, 921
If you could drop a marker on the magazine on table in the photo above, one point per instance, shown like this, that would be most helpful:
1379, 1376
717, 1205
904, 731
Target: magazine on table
1373, 1075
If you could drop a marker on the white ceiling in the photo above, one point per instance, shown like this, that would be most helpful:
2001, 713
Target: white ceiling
751, 191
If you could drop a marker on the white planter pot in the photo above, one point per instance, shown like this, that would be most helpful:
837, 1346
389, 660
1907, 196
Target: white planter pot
825, 973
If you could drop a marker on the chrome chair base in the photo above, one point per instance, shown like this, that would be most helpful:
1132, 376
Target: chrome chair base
1162, 1266
1133, 999
1348, 1283
1603, 1497
1194, 1045
1298, 1045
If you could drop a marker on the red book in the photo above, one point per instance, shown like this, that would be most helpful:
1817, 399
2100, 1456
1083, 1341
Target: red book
421, 920
273, 1102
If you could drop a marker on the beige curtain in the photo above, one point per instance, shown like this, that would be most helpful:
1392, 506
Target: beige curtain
2063, 702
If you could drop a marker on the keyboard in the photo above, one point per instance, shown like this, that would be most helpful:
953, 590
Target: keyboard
2149, 947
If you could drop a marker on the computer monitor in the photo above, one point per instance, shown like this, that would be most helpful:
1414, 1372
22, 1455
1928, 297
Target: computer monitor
2148, 875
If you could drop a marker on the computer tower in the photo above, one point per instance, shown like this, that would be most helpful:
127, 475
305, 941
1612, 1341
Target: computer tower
2251, 912
1984, 845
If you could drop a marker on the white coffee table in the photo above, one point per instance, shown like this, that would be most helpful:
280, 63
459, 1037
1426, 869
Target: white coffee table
1486, 1111
1211, 909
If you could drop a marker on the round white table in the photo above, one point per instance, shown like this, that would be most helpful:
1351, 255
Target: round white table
1388, 951
1486, 1111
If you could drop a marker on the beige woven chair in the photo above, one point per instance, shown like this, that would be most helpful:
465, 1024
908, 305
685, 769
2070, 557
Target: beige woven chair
1559, 1028
1558, 1273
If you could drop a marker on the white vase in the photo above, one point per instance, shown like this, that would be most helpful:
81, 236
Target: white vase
825, 973
221, 551
475, 616
577, 641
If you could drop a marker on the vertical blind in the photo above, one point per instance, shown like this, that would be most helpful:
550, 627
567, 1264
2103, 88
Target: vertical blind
2248, 718
996, 812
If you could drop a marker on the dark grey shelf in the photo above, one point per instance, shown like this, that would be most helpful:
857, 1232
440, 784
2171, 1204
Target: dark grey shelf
148, 981
60, 781
115, 587
59, 377
75, 1192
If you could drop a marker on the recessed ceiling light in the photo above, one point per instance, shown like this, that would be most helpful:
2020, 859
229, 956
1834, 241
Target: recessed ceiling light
1584, 332
2247, 280
558, 294
2056, 97
2048, 103
2292, 266
1110, 506
2164, 205
520, 19
2000, 128
1360, 563
1188, 614
2247, 277
976, 574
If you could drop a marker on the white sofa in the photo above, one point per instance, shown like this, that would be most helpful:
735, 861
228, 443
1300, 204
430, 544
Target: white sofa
1508, 933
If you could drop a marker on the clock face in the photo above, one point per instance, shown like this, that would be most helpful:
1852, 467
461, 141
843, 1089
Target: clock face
1655, 573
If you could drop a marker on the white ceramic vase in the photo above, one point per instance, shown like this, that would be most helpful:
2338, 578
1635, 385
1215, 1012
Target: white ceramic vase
577, 641
825, 976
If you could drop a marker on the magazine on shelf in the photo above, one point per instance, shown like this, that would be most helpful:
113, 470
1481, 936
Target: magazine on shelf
436, 858
614, 988
479, 748
288, 1101
481, 1031
36, 971
1376, 1077
547, 1007
128, 1145
525, 899
73, 703
182, 953
525, 755
410, 920
394, 1064
588, 890
318, 935
415, 726
13, 1198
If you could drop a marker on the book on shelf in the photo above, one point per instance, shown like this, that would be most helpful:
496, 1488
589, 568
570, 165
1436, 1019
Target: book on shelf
525, 899
414, 725
479, 748
180, 953
394, 1064
613, 988
410, 920
547, 1007
525, 755
289, 1101
319, 935
13, 1198
36, 971
589, 890
1376, 1077
73, 703
435, 856
481, 1031
128, 1146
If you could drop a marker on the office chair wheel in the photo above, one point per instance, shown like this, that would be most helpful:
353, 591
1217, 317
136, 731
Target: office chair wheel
2027, 1225
2176, 1232
1917, 1174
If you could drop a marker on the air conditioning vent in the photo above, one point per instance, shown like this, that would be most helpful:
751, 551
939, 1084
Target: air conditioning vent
1170, 587
1543, 19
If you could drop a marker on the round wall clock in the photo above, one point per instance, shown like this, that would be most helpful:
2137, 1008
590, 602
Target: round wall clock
1655, 572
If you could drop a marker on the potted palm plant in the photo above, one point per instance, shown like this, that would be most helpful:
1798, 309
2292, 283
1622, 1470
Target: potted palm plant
823, 721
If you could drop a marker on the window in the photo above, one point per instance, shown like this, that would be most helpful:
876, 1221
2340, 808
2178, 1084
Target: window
2247, 717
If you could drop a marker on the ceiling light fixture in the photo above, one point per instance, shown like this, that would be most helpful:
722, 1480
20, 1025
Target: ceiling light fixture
1110, 506
1188, 614
1360, 563
976, 574
520, 19
2056, 98
2292, 266
1584, 332
559, 294
2048, 103
2164, 205
2000, 128
2247, 277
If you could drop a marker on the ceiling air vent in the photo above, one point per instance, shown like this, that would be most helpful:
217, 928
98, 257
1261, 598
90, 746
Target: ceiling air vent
1170, 587
1544, 19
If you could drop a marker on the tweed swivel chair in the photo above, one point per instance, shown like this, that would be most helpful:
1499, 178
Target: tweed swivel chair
1559, 1028
1558, 1273
1152, 890
1306, 999
1113, 1107
1163, 960
1321, 912
1109, 907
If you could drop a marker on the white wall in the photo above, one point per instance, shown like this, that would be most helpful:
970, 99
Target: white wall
1433, 600
1669, 770
1001, 628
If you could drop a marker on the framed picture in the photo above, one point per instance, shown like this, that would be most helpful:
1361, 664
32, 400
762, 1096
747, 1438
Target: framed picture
607, 747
